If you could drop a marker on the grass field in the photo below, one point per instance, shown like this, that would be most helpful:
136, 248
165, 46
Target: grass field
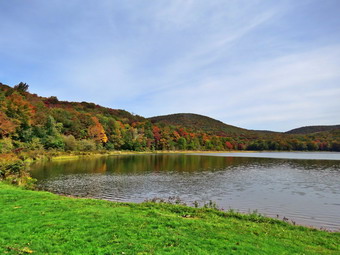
43, 223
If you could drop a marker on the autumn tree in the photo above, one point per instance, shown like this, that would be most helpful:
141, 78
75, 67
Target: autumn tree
7, 127
116, 135
156, 131
228, 145
16, 107
97, 132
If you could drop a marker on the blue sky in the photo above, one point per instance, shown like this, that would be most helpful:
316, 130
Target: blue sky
256, 64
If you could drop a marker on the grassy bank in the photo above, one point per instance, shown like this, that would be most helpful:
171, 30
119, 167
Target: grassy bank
44, 223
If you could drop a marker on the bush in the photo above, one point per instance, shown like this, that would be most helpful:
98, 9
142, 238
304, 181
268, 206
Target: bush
86, 145
6, 145
35, 144
53, 142
16, 172
109, 146
70, 143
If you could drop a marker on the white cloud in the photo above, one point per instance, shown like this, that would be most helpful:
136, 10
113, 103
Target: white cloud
289, 89
245, 63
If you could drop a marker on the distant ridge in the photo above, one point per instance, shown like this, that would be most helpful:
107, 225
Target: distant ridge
312, 129
198, 122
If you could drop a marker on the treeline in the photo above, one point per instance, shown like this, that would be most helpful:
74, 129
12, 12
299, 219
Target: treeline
29, 122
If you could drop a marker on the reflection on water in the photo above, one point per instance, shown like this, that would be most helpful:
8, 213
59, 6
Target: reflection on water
306, 191
284, 155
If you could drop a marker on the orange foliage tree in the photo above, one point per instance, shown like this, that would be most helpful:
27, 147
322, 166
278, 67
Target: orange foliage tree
97, 132
17, 107
6, 125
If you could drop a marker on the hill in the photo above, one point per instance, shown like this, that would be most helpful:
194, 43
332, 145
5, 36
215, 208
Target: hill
29, 122
313, 129
198, 122
53, 103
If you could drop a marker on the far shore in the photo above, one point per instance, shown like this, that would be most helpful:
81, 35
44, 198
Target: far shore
45, 155
77, 155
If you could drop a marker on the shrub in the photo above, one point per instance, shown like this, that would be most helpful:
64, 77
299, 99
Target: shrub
35, 144
6, 145
70, 143
86, 145
53, 142
109, 146
16, 172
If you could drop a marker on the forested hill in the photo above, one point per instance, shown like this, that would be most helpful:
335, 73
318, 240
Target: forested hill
313, 129
29, 122
198, 122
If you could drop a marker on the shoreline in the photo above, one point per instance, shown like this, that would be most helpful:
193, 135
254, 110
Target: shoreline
42, 155
79, 155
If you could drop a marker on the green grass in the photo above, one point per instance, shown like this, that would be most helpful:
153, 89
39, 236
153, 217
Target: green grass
44, 223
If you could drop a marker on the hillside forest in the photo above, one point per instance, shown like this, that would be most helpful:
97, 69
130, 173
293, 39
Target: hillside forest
30, 122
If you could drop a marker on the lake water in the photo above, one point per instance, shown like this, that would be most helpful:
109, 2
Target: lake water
303, 187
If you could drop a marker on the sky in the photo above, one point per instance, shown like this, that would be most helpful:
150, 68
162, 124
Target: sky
256, 64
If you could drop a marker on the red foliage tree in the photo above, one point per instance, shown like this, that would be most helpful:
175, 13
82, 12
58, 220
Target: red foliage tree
228, 145
156, 133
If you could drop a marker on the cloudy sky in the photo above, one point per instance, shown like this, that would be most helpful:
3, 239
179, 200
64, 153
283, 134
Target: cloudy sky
256, 64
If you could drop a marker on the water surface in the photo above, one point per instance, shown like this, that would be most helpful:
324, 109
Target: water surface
283, 155
303, 190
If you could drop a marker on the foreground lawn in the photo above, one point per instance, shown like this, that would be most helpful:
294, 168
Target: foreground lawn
44, 223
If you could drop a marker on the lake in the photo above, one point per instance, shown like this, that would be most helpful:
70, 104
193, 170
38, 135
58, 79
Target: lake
303, 187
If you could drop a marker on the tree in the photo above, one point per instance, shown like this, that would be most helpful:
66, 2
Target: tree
53, 138
16, 107
51, 101
70, 143
21, 87
97, 132
116, 136
128, 139
157, 136
312, 146
52, 127
6, 125
228, 145
335, 146
182, 143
